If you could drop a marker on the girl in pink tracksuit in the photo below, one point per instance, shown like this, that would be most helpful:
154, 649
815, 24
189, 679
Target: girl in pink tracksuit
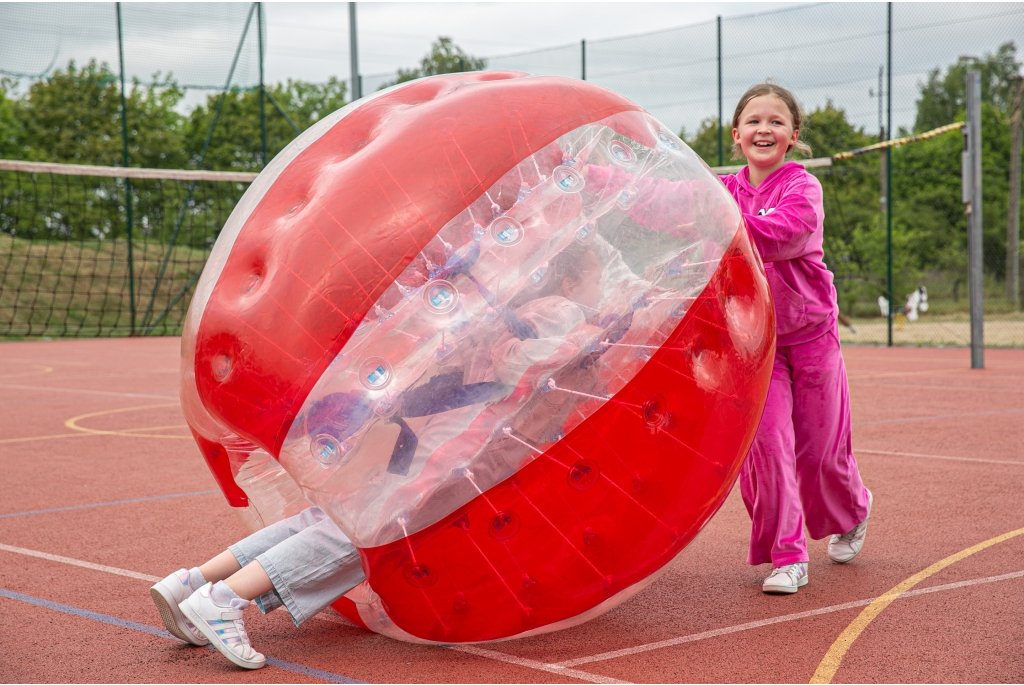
800, 469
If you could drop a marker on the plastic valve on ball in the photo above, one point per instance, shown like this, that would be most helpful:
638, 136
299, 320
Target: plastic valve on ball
507, 331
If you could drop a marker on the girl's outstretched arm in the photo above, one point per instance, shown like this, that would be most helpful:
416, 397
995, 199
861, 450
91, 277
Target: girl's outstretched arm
654, 203
787, 231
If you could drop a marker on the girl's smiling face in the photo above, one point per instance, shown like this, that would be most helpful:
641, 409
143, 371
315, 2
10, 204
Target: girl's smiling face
765, 133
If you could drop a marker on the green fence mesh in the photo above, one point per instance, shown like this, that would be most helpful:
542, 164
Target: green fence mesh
194, 43
65, 260
832, 55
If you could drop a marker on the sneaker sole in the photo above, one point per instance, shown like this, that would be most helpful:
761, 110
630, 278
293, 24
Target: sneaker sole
871, 501
163, 605
203, 627
785, 590
849, 558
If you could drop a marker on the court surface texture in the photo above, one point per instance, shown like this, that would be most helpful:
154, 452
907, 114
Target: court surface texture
104, 492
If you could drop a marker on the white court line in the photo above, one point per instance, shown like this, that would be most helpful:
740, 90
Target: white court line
618, 653
78, 562
559, 669
565, 668
468, 649
937, 456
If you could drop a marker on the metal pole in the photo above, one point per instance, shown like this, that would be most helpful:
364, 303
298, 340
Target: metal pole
972, 177
127, 181
353, 47
263, 112
888, 175
583, 59
192, 186
1013, 215
882, 185
720, 151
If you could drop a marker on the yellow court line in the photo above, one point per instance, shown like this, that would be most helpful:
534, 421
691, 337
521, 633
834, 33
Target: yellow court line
72, 423
45, 370
134, 431
43, 437
833, 658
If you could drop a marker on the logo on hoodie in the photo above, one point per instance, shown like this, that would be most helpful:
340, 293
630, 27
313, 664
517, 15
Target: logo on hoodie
765, 210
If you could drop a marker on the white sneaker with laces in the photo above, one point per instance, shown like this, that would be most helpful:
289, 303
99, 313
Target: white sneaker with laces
785, 580
167, 595
223, 627
843, 548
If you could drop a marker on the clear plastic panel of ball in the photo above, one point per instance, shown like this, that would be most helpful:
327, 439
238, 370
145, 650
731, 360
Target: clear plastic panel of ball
564, 277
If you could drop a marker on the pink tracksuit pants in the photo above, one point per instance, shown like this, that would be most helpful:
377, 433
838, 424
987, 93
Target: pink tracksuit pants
801, 468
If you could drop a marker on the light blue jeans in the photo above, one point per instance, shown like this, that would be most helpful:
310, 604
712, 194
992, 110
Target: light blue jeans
311, 563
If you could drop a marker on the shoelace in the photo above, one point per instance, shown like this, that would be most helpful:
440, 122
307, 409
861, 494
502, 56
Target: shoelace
853, 534
793, 571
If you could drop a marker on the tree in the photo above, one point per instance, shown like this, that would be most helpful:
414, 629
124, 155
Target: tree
704, 142
944, 96
12, 136
74, 116
236, 143
445, 57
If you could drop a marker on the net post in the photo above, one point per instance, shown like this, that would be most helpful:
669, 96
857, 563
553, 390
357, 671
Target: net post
192, 185
263, 112
583, 59
888, 175
127, 181
353, 47
720, 151
1013, 213
972, 188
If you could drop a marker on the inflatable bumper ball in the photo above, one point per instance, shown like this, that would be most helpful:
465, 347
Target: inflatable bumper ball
507, 331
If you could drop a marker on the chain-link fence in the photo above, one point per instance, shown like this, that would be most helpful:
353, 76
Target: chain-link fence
834, 57
199, 46
839, 59
69, 267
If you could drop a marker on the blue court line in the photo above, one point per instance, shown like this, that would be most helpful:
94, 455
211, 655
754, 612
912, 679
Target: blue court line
157, 632
939, 416
107, 504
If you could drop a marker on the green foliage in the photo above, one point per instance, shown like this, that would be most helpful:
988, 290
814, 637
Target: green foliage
705, 144
74, 116
944, 96
445, 57
12, 136
236, 143
826, 130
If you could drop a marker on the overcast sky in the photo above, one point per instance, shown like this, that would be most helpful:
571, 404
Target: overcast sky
310, 40
823, 51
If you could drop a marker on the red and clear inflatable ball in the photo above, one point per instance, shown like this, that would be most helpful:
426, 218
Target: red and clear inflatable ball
507, 331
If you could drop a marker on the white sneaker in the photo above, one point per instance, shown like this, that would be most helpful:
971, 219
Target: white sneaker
843, 548
223, 627
785, 580
167, 595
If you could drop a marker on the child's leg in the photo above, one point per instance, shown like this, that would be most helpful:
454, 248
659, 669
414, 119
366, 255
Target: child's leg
307, 572
834, 497
220, 567
304, 572
180, 585
768, 478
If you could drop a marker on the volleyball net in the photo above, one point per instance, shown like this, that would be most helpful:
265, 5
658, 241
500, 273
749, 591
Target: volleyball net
73, 263
76, 261
109, 251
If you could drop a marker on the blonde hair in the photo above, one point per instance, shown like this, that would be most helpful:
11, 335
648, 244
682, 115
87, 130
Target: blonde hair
769, 88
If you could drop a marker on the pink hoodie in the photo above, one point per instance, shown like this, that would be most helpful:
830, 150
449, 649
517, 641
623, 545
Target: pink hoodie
784, 216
